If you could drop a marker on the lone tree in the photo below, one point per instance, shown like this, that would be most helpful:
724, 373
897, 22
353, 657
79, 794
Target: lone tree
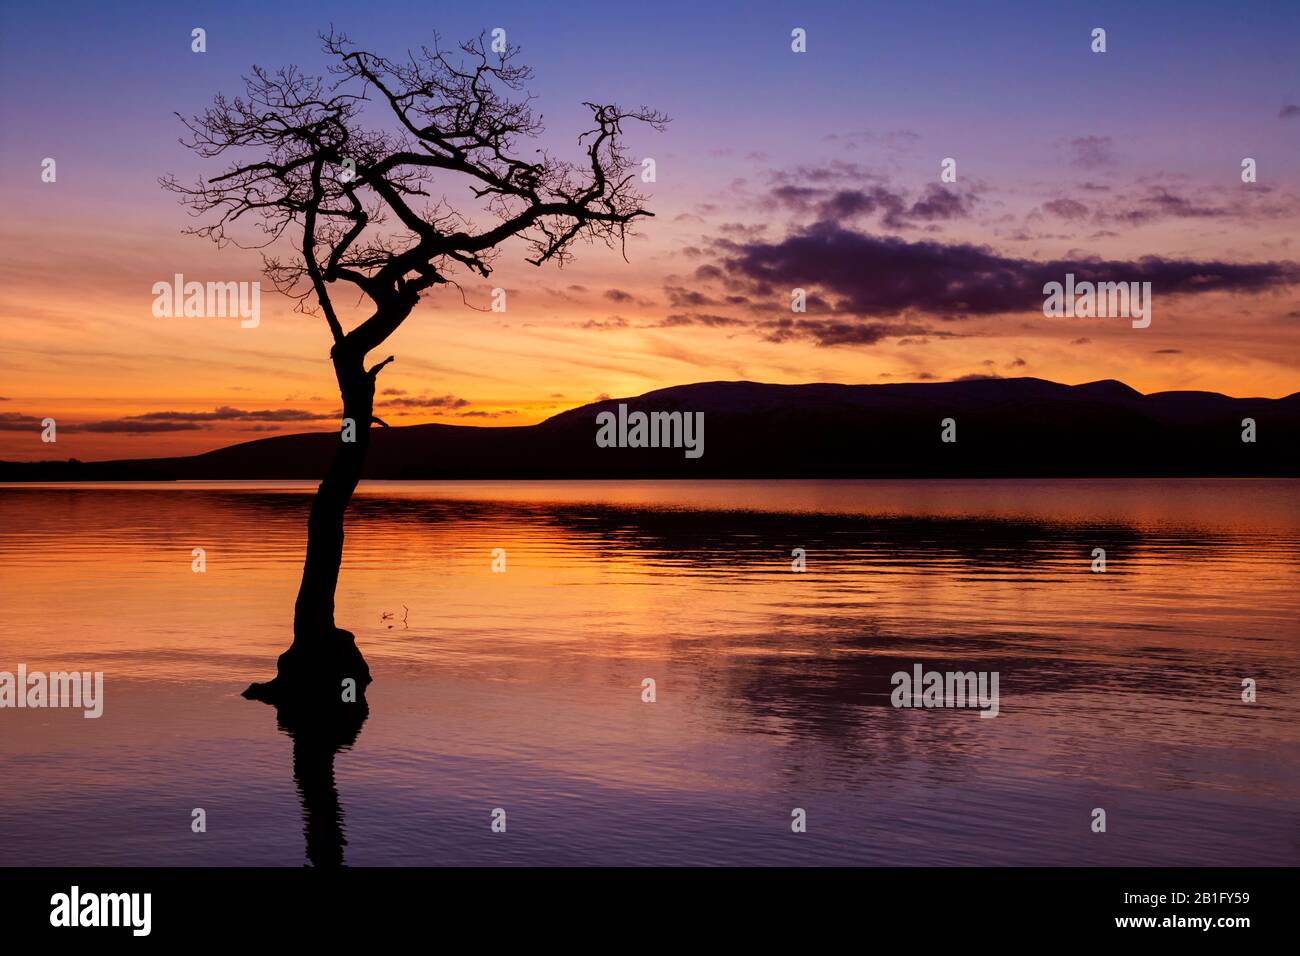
357, 205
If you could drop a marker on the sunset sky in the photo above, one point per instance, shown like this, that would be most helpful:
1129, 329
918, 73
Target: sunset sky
779, 170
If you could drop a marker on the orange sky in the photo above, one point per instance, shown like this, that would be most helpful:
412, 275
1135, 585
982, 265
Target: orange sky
79, 257
85, 347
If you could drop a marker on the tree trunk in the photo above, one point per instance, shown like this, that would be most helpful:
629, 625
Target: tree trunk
322, 656
313, 613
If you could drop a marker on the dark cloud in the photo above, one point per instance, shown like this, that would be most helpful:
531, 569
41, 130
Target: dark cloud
885, 276
618, 295
672, 321
166, 421
684, 298
227, 414
937, 203
437, 402
16, 422
1288, 111
742, 230
940, 202
1162, 204
1167, 352
1159, 203
851, 203
835, 331
698, 318
799, 197
1067, 209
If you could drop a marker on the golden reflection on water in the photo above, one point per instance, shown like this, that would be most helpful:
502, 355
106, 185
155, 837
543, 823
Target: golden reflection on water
524, 687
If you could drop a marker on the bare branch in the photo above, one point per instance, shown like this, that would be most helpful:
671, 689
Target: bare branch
360, 199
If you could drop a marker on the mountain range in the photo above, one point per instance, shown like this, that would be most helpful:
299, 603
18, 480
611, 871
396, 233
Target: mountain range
1022, 427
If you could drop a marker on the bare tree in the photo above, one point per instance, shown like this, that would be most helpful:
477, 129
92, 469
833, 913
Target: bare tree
357, 205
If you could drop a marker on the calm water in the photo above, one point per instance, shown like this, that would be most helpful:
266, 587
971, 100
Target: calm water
522, 690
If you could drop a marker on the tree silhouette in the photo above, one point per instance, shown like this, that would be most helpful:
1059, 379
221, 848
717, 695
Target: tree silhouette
357, 204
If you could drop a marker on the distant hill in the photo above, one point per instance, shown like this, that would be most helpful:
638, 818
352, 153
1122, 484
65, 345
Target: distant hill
1024, 427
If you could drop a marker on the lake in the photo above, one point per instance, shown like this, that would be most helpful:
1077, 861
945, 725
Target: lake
521, 689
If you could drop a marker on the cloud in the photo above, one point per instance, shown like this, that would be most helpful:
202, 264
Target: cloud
671, 321
1166, 351
742, 230
16, 422
437, 402
166, 421
618, 295
684, 298
613, 322
699, 318
837, 170
830, 332
1161, 203
1070, 209
886, 276
940, 202
1289, 111
124, 426
1089, 152
225, 413
936, 203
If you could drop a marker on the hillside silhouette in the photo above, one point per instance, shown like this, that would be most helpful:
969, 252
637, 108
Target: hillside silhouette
1023, 427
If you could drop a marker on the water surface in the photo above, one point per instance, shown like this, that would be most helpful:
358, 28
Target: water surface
522, 690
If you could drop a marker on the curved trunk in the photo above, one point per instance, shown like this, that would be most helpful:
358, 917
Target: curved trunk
323, 666
313, 612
